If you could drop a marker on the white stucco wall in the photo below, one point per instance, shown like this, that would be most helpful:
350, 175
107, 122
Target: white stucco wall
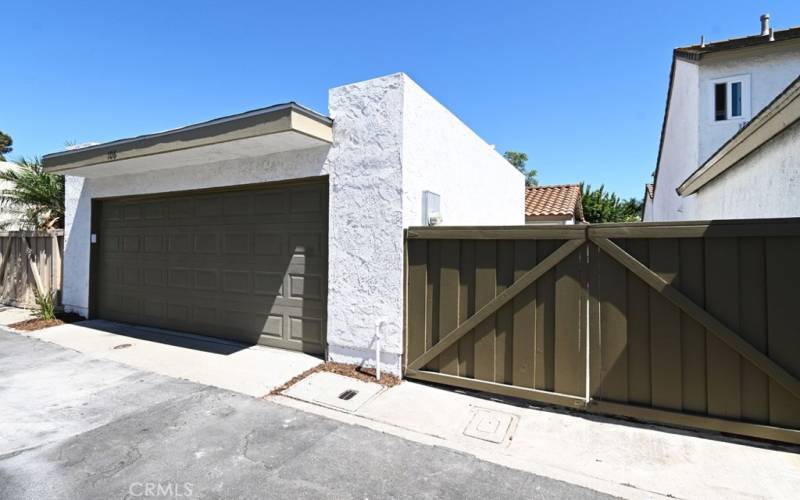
770, 71
764, 184
647, 210
9, 218
441, 154
679, 153
365, 269
692, 134
391, 140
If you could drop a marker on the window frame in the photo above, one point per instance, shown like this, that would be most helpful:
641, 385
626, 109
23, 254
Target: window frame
744, 79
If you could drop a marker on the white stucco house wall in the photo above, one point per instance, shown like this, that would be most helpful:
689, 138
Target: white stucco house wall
383, 143
9, 218
757, 172
715, 90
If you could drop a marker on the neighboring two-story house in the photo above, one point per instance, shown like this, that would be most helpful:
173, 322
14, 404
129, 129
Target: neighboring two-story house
715, 92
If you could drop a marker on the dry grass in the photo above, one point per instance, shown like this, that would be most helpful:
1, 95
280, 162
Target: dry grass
35, 324
30, 325
352, 371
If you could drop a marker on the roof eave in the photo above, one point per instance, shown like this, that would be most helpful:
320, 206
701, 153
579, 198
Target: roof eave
281, 118
777, 116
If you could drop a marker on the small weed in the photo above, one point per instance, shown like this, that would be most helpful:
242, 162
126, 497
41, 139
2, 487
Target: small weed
46, 305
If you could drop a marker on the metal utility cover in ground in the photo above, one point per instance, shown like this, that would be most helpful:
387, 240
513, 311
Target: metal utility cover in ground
489, 425
333, 390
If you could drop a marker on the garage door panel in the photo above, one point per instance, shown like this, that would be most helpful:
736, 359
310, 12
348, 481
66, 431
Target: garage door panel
305, 329
305, 286
268, 283
248, 265
154, 310
236, 281
269, 243
236, 243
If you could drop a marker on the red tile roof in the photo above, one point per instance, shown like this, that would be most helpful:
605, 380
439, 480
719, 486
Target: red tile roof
554, 200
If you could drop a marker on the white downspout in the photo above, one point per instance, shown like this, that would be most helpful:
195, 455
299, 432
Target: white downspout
378, 325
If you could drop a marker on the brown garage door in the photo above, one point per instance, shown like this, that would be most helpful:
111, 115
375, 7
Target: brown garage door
247, 265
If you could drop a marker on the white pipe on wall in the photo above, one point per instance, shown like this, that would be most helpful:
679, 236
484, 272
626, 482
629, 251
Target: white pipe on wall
378, 325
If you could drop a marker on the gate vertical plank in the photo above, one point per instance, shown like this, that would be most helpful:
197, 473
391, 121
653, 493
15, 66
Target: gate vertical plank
448, 303
433, 295
722, 300
592, 279
21, 266
665, 329
693, 335
783, 345
544, 362
612, 282
4, 258
466, 308
505, 319
44, 263
417, 299
57, 258
639, 353
524, 334
752, 326
570, 345
485, 285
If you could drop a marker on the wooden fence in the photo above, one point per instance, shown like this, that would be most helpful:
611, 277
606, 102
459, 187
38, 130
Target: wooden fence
691, 324
30, 262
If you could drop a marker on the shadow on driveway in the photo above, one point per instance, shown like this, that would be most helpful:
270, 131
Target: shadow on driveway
167, 337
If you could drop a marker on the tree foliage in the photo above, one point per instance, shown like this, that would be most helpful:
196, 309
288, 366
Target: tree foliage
37, 196
602, 206
519, 160
5, 145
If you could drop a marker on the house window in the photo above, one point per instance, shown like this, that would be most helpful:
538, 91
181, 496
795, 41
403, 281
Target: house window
731, 101
721, 101
736, 99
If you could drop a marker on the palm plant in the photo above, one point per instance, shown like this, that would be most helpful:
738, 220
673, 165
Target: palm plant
34, 194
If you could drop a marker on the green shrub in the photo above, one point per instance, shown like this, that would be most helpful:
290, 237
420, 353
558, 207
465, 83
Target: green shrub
46, 305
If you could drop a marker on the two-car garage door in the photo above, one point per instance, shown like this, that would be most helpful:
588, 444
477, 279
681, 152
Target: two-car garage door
248, 264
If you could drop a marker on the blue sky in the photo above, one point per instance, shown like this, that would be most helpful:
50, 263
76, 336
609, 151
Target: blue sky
579, 86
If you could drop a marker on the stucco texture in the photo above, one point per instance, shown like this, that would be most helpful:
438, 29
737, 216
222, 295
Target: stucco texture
679, 153
391, 141
692, 134
765, 183
365, 230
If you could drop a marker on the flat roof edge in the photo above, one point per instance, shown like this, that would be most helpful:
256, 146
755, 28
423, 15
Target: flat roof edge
262, 121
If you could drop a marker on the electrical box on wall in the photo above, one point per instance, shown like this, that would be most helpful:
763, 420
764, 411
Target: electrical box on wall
431, 211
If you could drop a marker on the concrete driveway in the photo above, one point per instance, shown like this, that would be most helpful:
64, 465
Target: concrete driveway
74, 426
249, 369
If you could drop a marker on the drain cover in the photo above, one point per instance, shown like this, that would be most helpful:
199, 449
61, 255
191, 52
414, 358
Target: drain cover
334, 390
348, 394
489, 425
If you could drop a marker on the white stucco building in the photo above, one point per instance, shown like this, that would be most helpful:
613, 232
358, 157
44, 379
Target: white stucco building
715, 90
10, 219
278, 226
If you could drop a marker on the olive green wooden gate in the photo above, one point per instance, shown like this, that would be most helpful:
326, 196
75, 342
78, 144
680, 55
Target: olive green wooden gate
690, 324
